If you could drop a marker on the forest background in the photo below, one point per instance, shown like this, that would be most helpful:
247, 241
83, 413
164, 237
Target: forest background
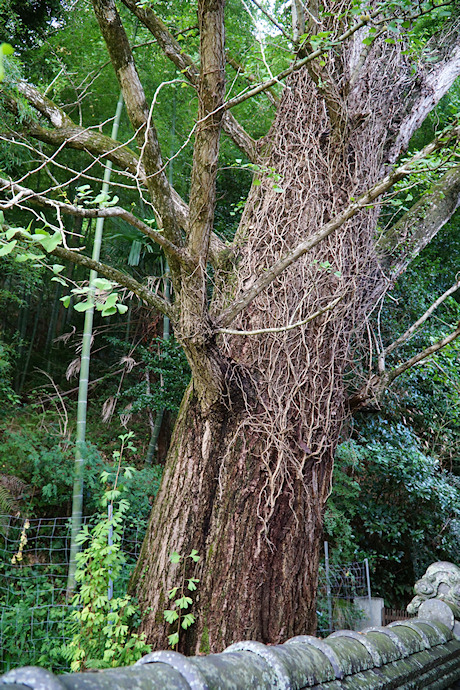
396, 490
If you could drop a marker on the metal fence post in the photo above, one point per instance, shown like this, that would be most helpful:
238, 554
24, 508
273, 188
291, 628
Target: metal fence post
328, 584
368, 580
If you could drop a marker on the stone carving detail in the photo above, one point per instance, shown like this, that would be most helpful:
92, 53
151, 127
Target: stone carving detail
441, 581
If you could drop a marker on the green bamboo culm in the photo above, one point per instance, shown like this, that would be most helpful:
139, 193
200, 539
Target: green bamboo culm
80, 443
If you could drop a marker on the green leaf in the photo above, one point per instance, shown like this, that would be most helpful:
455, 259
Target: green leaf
7, 248
58, 279
111, 300
11, 232
101, 198
174, 557
184, 602
108, 311
122, 308
102, 284
173, 639
194, 555
191, 584
50, 242
187, 620
170, 616
83, 306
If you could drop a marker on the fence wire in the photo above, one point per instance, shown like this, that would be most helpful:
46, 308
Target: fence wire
34, 611
338, 587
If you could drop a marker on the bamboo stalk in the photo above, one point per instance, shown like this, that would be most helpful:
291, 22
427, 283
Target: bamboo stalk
80, 443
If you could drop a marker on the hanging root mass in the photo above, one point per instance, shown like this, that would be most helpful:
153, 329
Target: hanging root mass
298, 373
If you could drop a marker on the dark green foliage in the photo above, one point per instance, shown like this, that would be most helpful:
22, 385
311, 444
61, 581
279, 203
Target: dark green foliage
165, 359
34, 449
8, 397
24, 22
394, 503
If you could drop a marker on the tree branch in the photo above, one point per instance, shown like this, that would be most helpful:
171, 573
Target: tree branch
251, 79
379, 383
402, 242
122, 279
211, 92
431, 88
410, 331
299, 64
366, 199
283, 329
23, 194
102, 147
84, 139
138, 112
184, 63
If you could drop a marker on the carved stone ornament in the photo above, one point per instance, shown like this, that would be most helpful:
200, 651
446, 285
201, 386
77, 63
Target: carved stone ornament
441, 581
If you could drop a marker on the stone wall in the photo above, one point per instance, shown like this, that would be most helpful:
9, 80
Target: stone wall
421, 653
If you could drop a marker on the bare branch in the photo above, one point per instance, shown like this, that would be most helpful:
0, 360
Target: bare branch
251, 79
70, 134
273, 21
391, 375
366, 199
23, 194
402, 242
415, 326
380, 382
283, 329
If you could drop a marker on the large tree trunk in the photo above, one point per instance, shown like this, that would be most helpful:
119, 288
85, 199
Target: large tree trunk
245, 485
211, 500
246, 480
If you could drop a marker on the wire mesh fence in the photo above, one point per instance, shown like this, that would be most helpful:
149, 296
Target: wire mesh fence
35, 612
34, 609
338, 587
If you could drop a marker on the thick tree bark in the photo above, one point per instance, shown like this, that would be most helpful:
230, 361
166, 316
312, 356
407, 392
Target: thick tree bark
247, 478
243, 593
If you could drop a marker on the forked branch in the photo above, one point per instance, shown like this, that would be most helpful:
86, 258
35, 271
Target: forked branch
379, 383
184, 63
415, 326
